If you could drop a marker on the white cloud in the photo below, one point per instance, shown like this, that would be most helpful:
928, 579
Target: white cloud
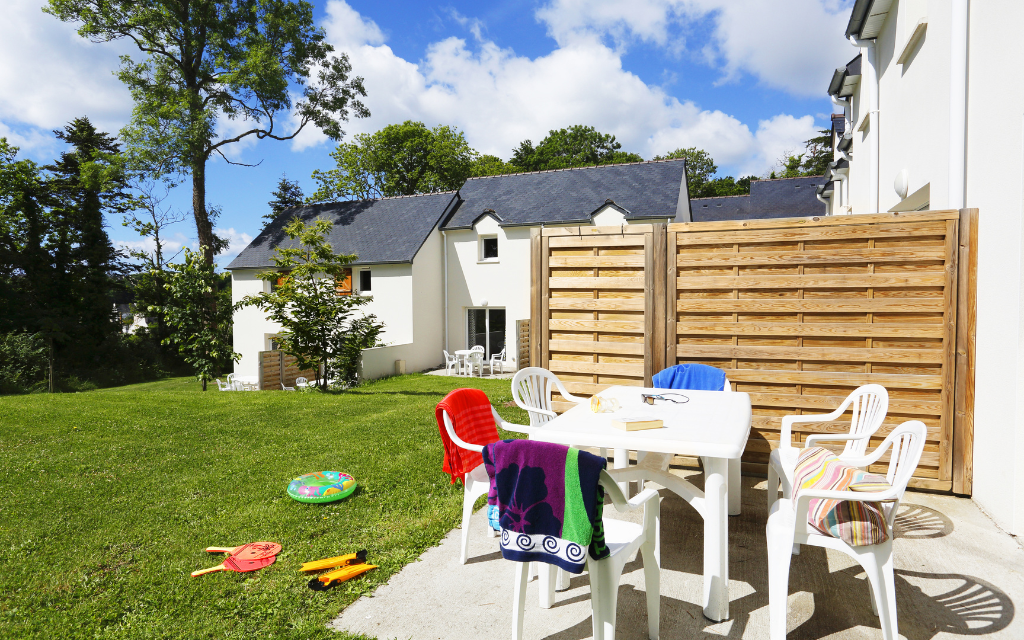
51, 75
792, 46
499, 99
237, 240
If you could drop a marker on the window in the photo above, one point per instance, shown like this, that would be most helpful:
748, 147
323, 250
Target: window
486, 327
364, 281
343, 284
274, 284
488, 248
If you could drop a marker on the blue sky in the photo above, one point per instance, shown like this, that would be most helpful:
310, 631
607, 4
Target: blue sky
739, 78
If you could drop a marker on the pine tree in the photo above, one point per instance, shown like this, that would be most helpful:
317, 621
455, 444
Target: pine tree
287, 195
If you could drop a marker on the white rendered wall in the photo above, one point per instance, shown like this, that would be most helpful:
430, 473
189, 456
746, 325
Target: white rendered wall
251, 326
995, 166
391, 288
914, 134
504, 283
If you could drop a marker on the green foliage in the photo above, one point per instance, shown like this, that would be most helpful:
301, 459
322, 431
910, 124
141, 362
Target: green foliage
152, 474
813, 161
576, 146
316, 321
700, 175
202, 61
22, 362
363, 333
198, 315
288, 194
488, 165
58, 268
399, 160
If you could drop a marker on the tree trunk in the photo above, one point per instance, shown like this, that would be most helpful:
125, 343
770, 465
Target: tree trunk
204, 384
204, 230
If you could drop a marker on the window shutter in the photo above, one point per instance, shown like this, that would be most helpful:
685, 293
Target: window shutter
343, 285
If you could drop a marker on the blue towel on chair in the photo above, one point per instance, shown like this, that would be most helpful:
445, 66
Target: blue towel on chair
698, 377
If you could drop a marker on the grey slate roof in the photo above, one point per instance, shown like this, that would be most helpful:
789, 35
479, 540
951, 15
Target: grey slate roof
389, 230
641, 190
783, 198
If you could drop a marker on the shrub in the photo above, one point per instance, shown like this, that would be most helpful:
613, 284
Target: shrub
22, 362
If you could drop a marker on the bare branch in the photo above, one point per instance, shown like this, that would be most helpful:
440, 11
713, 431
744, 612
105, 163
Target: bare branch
240, 164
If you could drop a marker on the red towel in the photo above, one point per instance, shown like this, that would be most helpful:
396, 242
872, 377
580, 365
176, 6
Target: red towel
470, 412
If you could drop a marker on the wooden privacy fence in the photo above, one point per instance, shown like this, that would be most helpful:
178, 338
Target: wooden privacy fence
277, 367
798, 312
522, 344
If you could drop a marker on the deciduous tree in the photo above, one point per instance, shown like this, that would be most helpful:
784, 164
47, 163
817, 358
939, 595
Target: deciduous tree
198, 315
206, 60
399, 160
575, 146
318, 324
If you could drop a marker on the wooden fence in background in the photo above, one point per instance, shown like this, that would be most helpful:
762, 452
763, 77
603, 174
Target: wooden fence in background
798, 312
522, 344
277, 368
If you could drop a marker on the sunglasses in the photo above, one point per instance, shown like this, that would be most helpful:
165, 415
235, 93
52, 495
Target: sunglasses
649, 398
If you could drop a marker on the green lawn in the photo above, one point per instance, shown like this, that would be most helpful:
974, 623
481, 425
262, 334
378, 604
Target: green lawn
108, 498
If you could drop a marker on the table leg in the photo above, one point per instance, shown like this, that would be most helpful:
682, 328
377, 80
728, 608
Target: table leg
735, 487
621, 461
716, 539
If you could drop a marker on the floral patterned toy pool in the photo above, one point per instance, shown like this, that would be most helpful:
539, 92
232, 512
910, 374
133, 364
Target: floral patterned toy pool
322, 486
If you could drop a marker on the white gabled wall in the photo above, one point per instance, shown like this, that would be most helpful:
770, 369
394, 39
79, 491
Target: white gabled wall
504, 283
914, 127
251, 326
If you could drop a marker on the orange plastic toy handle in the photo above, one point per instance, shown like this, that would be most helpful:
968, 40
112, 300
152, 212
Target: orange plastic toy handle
219, 567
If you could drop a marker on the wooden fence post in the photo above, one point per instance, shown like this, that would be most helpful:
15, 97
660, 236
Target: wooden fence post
966, 335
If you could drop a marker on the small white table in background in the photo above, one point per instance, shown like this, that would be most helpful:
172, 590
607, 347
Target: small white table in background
466, 355
713, 425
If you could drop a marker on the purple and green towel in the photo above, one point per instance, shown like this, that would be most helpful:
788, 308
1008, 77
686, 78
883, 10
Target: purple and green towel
546, 501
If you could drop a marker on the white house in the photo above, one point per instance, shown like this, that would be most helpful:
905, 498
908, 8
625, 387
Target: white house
931, 120
448, 271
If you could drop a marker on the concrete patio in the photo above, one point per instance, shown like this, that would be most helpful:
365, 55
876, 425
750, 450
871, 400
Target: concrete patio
957, 575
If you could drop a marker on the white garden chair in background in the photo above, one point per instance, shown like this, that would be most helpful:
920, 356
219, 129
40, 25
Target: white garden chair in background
301, 382
788, 526
450, 362
532, 388
868, 404
224, 386
498, 360
624, 539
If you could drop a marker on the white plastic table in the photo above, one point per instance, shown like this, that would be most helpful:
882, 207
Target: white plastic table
714, 425
466, 355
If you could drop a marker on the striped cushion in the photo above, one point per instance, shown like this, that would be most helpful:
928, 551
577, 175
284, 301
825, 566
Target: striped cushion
856, 523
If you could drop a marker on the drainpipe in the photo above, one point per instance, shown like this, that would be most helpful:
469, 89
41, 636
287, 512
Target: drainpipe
444, 238
869, 79
848, 126
958, 105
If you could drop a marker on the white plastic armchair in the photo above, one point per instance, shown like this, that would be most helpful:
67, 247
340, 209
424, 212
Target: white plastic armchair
624, 539
475, 483
450, 362
531, 390
225, 386
301, 383
868, 405
788, 526
498, 360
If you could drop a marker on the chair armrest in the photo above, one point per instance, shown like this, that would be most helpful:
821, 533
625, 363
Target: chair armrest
510, 426
833, 437
613, 491
786, 437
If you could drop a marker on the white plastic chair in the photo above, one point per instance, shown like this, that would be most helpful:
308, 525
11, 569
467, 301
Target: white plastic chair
224, 386
787, 526
498, 360
624, 539
301, 383
869, 405
475, 482
286, 388
532, 388
450, 362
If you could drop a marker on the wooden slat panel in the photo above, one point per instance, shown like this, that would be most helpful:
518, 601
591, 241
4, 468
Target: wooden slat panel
837, 256
827, 281
596, 304
600, 368
838, 305
608, 326
685, 326
599, 235
590, 346
916, 356
834, 378
597, 283
844, 232
742, 226
586, 262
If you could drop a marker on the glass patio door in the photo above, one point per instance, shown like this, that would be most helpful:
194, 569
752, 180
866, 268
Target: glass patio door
486, 327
